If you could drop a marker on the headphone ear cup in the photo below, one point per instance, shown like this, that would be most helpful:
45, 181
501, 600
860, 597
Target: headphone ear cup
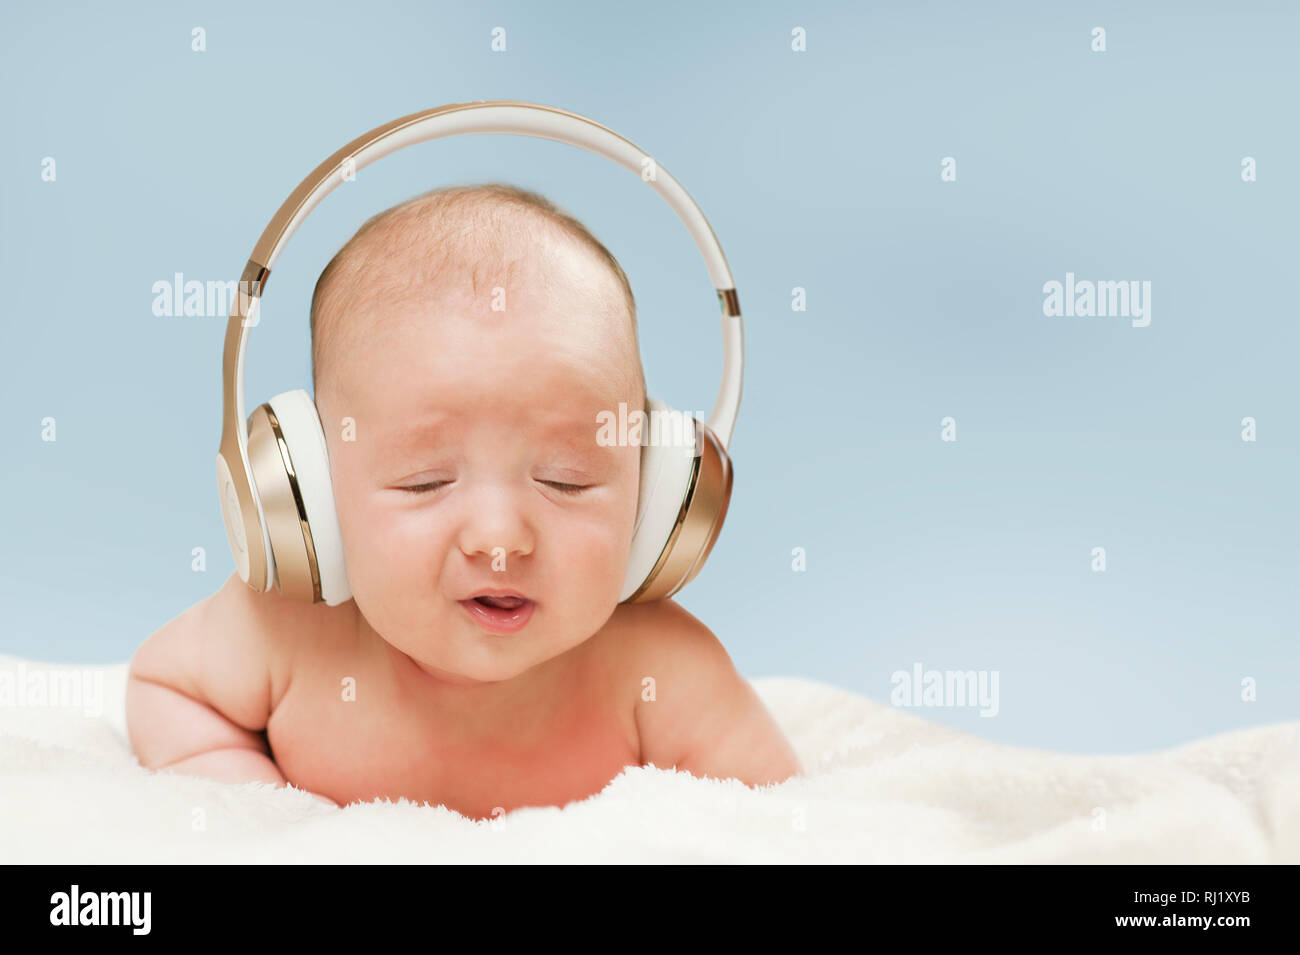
290, 464
686, 479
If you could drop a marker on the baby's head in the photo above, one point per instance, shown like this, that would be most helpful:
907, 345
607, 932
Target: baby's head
472, 335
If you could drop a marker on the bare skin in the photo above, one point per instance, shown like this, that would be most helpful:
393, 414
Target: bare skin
400, 691
267, 702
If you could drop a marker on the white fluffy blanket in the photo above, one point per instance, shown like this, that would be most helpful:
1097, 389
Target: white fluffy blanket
881, 785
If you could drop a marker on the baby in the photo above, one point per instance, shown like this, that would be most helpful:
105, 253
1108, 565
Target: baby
463, 344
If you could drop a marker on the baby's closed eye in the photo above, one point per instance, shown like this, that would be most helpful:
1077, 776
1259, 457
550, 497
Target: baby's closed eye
430, 486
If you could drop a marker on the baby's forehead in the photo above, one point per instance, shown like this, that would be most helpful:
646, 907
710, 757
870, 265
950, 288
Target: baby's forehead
564, 423
440, 349
548, 405
474, 370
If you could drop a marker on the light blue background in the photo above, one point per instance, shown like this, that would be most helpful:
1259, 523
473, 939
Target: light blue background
818, 170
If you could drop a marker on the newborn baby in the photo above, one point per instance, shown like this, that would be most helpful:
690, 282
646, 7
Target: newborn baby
463, 344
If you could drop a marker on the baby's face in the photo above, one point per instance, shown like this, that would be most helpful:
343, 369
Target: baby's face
473, 427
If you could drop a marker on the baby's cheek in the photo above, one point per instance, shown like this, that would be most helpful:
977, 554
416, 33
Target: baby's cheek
602, 560
377, 548
399, 550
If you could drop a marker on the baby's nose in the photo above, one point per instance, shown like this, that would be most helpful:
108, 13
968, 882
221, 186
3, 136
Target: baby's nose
494, 524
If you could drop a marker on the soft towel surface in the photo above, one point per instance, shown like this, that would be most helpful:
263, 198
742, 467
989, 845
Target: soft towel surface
881, 785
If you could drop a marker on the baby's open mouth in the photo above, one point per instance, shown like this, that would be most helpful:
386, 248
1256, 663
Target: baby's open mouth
502, 603
506, 611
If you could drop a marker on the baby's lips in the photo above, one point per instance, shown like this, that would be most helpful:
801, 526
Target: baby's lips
499, 593
506, 602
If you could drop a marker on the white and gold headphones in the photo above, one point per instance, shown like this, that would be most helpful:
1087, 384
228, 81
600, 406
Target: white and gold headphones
274, 477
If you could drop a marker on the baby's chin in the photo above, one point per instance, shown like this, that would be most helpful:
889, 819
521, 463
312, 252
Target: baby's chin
455, 649
448, 677
472, 656
459, 665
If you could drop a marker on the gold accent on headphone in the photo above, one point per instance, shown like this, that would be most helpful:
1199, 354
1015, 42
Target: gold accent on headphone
730, 301
698, 522
296, 571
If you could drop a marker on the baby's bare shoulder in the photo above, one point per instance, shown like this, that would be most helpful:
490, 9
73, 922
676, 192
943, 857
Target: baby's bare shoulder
696, 712
286, 635
215, 653
663, 637
233, 650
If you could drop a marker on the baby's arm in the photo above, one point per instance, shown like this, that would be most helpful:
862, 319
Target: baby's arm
706, 718
198, 694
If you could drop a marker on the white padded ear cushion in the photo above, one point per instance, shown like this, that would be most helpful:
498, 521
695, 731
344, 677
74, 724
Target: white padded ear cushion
300, 425
665, 478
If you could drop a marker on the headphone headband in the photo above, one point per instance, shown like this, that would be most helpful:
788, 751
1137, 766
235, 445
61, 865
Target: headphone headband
480, 116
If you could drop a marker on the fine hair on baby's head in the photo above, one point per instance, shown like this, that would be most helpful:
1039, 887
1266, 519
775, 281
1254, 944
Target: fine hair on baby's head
445, 241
